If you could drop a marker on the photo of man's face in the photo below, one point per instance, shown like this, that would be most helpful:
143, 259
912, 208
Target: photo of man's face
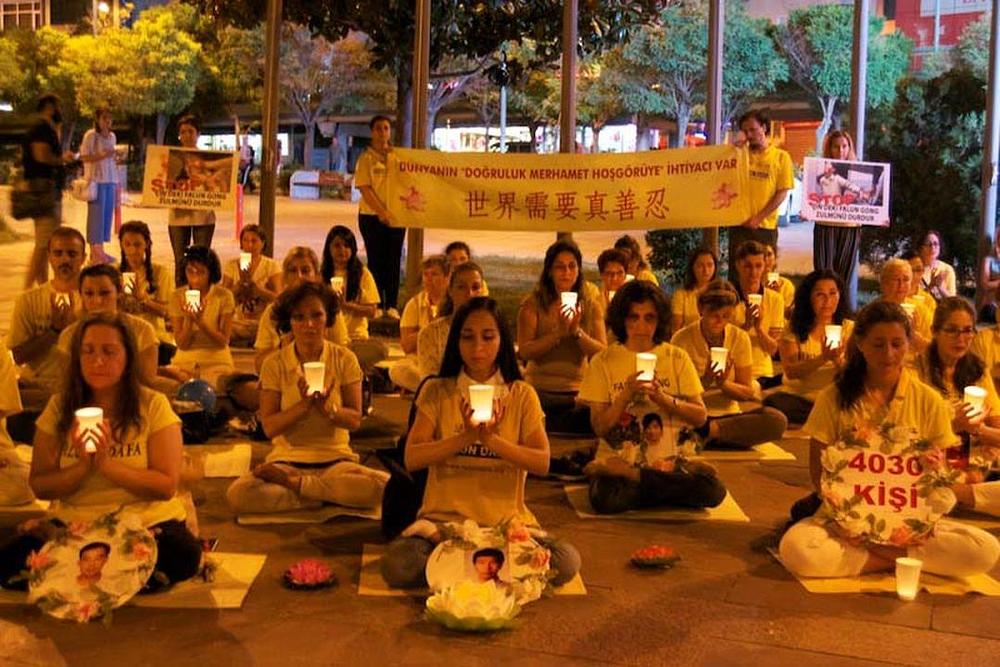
488, 563
93, 558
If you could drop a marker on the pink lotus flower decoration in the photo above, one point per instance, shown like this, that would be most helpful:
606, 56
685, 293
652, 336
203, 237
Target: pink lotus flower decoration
87, 610
140, 551
37, 560
309, 572
901, 536
516, 532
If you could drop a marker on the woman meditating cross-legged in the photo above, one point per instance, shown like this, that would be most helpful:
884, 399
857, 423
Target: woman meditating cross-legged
137, 462
876, 388
476, 471
632, 469
311, 462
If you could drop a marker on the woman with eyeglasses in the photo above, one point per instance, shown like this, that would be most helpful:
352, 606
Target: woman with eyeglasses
939, 276
949, 366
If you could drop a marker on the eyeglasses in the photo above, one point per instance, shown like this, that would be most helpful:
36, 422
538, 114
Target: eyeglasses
955, 332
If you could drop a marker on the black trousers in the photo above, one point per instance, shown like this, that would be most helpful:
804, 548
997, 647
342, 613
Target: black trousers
384, 247
612, 495
838, 248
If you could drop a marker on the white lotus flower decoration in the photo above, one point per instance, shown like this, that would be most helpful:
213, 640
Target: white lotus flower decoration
471, 606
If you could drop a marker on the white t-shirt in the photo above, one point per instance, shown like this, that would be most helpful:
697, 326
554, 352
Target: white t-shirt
101, 171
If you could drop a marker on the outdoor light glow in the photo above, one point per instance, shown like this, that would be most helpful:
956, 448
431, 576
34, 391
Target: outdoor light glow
6, 106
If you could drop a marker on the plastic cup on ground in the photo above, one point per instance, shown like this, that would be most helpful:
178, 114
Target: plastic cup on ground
315, 374
481, 402
88, 421
908, 578
645, 364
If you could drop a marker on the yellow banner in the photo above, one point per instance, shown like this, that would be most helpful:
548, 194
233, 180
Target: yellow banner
189, 178
669, 189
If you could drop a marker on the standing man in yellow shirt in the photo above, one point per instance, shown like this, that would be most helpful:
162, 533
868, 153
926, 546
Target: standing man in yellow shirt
771, 177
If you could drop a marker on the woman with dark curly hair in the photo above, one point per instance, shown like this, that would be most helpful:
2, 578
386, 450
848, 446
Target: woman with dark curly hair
202, 322
311, 461
809, 357
629, 471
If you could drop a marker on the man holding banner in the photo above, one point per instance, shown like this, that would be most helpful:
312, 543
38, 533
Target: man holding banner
771, 178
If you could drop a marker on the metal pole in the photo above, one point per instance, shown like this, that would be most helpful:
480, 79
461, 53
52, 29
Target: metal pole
937, 24
991, 147
716, 23
859, 75
421, 79
567, 112
269, 132
503, 120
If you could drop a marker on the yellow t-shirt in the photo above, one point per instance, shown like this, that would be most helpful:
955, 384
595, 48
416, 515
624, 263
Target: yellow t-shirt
952, 394
164, 280
561, 368
646, 274
986, 346
268, 337
418, 312
266, 269
736, 340
219, 303
606, 377
915, 406
32, 318
371, 170
10, 398
770, 171
684, 302
810, 386
313, 439
97, 495
357, 326
143, 334
477, 484
772, 312
430, 346
787, 291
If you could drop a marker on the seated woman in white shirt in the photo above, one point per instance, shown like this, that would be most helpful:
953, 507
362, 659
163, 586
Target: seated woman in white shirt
420, 311
702, 268
476, 471
876, 389
465, 282
311, 461
253, 287
939, 276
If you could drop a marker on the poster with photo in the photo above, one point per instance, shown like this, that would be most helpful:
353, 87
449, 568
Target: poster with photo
190, 178
845, 192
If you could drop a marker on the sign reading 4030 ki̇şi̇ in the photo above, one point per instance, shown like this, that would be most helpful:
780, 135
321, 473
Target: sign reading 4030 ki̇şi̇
685, 187
189, 178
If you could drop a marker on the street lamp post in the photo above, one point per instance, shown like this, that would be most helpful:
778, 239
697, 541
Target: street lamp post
567, 113
269, 132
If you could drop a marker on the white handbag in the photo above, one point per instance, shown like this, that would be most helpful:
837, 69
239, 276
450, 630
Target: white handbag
83, 189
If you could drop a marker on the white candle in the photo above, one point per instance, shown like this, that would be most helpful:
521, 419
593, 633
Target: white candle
337, 284
773, 277
908, 578
976, 397
719, 357
63, 299
909, 308
629, 277
568, 299
833, 333
755, 299
315, 373
245, 259
611, 295
128, 282
193, 298
481, 402
88, 421
645, 364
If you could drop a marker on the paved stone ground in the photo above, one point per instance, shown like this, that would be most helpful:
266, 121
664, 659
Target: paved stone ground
726, 603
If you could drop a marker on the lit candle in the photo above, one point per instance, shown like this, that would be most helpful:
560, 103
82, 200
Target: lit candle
755, 299
245, 259
63, 299
88, 421
337, 283
568, 300
908, 578
909, 308
976, 397
773, 277
128, 282
833, 333
611, 295
193, 298
645, 363
315, 373
481, 402
629, 277
719, 357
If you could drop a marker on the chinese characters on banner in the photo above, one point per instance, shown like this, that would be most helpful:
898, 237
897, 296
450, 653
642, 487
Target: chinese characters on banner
189, 178
845, 192
687, 187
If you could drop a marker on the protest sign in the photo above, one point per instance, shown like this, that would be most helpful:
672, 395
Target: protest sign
189, 178
667, 189
845, 192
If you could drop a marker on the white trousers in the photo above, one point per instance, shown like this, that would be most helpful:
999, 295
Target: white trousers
344, 483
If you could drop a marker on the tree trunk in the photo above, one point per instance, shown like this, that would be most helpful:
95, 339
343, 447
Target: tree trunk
404, 107
683, 116
641, 132
828, 104
596, 148
307, 149
533, 127
68, 129
161, 128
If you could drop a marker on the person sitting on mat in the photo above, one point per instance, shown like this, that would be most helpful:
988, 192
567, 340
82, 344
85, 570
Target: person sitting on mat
726, 384
14, 489
465, 282
458, 253
763, 321
153, 285
702, 268
311, 461
476, 471
628, 472
419, 312
877, 388
254, 287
